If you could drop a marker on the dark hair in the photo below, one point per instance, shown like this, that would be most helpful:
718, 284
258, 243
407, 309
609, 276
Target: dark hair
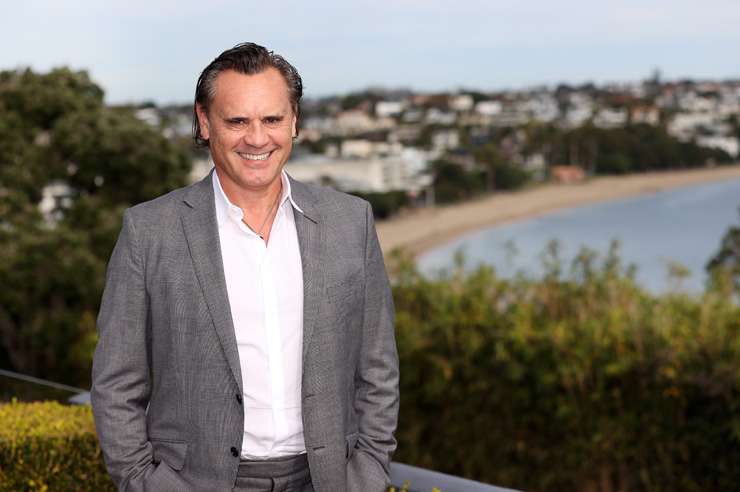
248, 59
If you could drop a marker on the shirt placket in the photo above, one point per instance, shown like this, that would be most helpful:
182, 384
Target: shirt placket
272, 333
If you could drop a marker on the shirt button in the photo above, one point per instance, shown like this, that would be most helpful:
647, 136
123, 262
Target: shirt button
239, 398
234, 452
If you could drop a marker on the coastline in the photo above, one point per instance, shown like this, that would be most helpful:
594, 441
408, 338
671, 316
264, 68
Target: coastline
424, 229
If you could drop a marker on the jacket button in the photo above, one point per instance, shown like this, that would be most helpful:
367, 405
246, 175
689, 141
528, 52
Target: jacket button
234, 452
239, 398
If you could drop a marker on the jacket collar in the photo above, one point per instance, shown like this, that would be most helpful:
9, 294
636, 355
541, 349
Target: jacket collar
201, 194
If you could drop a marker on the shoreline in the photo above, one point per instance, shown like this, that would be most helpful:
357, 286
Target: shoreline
424, 229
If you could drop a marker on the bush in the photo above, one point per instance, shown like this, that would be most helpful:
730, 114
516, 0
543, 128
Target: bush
49, 446
578, 381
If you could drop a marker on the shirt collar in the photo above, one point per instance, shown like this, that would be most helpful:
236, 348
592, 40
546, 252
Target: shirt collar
224, 205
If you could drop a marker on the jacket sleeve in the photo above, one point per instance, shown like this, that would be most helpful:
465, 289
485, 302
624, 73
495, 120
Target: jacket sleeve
121, 373
376, 380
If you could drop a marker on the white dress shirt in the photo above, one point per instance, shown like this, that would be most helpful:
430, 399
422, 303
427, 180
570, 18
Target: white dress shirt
265, 288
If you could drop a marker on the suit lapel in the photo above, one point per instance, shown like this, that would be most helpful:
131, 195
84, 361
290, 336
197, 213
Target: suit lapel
201, 232
310, 240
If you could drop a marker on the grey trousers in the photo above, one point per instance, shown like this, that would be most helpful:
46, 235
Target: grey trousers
289, 474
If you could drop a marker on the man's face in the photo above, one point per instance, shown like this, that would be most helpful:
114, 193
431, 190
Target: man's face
250, 127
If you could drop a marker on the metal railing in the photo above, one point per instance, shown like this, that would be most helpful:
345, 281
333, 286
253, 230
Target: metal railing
421, 480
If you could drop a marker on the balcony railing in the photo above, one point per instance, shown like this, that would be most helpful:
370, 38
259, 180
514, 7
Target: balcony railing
421, 480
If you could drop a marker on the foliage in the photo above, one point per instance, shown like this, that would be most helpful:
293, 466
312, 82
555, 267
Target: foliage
48, 446
385, 204
633, 148
502, 174
452, 182
726, 262
60, 143
579, 381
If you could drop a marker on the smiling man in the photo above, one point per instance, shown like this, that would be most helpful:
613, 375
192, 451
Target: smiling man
246, 335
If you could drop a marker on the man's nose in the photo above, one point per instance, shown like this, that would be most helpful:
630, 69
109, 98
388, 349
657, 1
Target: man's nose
256, 135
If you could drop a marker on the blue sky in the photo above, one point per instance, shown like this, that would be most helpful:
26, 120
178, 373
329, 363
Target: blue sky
154, 49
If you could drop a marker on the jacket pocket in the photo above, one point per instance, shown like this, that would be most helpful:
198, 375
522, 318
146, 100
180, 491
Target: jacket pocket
351, 442
170, 451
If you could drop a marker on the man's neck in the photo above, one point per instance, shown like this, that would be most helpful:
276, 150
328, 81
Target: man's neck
253, 202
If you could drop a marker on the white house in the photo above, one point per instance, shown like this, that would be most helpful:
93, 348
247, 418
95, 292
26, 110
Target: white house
405, 170
610, 118
389, 108
731, 145
461, 102
488, 108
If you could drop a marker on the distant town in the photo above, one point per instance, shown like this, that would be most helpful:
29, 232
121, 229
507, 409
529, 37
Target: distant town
380, 141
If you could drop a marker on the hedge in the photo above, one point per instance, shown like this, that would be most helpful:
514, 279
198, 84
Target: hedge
47, 446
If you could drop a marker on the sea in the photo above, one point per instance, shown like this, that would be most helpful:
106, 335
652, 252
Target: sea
655, 233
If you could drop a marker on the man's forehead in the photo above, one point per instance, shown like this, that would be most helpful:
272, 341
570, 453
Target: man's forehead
266, 89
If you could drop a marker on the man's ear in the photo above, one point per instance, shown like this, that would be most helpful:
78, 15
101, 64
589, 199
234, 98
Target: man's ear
203, 121
295, 128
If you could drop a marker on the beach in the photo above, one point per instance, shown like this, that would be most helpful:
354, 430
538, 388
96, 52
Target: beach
424, 229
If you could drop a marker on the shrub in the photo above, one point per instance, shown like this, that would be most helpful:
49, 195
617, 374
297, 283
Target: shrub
50, 446
578, 381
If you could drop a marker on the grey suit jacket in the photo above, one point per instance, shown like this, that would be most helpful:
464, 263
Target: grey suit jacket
166, 371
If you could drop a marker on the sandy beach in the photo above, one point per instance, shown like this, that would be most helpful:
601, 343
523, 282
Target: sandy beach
424, 229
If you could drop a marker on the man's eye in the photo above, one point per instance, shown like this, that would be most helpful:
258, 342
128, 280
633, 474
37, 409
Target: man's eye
273, 120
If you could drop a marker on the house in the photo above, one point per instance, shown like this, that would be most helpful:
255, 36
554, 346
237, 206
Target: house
354, 121
445, 139
404, 169
461, 102
436, 116
685, 125
610, 118
642, 114
567, 174
488, 108
731, 145
389, 108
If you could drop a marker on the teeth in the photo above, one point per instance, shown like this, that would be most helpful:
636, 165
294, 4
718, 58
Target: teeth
254, 157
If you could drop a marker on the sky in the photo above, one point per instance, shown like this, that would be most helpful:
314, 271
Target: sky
154, 50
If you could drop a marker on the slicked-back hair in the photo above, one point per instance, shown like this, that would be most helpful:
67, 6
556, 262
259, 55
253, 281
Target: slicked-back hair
247, 59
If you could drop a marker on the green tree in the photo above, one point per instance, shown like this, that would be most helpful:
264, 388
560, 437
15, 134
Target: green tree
57, 138
500, 173
452, 182
727, 259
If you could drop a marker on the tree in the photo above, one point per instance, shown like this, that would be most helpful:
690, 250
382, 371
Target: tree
501, 174
453, 183
59, 142
727, 259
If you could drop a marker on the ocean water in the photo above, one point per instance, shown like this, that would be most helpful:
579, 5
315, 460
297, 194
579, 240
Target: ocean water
681, 226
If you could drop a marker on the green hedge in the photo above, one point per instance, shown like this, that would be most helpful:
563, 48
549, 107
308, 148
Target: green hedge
581, 381
46, 446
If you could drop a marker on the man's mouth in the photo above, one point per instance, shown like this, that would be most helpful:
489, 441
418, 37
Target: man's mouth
254, 157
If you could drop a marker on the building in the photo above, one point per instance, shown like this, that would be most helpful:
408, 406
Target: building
567, 174
610, 118
389, 108
404, 170
731, 145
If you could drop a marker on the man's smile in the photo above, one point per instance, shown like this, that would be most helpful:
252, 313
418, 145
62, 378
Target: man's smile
254, 157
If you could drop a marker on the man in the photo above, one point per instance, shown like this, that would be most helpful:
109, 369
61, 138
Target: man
246, 330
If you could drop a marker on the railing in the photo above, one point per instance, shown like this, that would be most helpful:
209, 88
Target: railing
420, 480
29, 388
